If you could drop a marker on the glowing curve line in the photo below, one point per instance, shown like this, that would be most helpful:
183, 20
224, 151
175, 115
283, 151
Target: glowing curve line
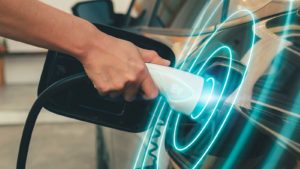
238, 91
144, 139
251, 51
248, 128
163, 135
183, 148
208, 100
155, 111
194, 30
152, 134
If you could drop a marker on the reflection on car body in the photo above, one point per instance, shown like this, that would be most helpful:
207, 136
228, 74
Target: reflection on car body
278, 106
172, 22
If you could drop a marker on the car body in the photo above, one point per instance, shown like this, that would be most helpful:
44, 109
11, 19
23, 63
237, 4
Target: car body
267, 100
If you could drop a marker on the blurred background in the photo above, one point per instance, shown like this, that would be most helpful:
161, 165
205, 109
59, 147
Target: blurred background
266, 113
55, 137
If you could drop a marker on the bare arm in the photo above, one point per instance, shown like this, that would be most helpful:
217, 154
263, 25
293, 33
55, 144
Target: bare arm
35, 23
115, 66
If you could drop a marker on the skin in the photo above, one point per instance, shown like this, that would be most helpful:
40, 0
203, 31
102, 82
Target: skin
115, 66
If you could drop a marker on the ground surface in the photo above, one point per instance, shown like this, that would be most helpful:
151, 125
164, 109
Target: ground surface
54, 146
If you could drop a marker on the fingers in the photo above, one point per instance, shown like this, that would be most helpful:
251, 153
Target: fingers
112, 89
131, 91
111, 82
150, 56
123, 71
102, 83
148, 87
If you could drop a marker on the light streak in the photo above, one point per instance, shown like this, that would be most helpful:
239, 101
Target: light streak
186, 46
184, 148
195, 27
145, 137
254, 114
238, 90
288, 130
207, 100
228, 113
151, 137
163, 135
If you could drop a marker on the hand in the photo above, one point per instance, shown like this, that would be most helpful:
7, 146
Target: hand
117, 67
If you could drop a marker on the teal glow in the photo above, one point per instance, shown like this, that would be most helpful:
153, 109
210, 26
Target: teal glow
147, 132
151, 137
195, 28
228, 113
185, 147
243, 79
242, 141
139, 155
163, 138
207, 100
288, 130
238, 90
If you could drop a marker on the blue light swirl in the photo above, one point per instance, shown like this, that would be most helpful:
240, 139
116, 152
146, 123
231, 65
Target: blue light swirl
212, 80
182, 148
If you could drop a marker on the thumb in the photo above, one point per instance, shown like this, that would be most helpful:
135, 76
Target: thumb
151, 56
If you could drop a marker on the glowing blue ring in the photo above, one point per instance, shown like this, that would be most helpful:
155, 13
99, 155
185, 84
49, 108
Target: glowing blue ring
144, 139
238, 90
155, 111
185, 147
202, 30
208, 100
152, 134
251, 52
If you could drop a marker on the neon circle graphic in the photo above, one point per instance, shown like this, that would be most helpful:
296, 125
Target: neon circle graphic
160, 106
212, 80
181, 147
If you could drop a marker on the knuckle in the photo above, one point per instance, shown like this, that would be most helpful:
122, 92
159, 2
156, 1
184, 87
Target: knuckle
153, 53
141, 68
104, 88
130, 43
118, 86
132, 78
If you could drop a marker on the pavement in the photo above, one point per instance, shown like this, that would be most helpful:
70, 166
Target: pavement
53, 146
58, 142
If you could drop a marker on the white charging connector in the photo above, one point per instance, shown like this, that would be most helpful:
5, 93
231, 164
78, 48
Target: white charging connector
181, 89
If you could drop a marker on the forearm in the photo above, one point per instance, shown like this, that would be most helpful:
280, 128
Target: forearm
33, 22
115, 66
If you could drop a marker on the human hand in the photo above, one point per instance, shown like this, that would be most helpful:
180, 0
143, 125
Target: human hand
118, 67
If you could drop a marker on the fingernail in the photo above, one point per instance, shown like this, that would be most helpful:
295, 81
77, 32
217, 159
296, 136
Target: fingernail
151, 97
148, 98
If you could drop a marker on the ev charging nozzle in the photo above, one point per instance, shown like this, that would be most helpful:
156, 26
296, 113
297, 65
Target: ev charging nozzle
181, 89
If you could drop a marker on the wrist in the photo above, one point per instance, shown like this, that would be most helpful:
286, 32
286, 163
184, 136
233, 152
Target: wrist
88, 39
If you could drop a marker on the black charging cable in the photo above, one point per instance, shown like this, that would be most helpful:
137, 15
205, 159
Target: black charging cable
35, 111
